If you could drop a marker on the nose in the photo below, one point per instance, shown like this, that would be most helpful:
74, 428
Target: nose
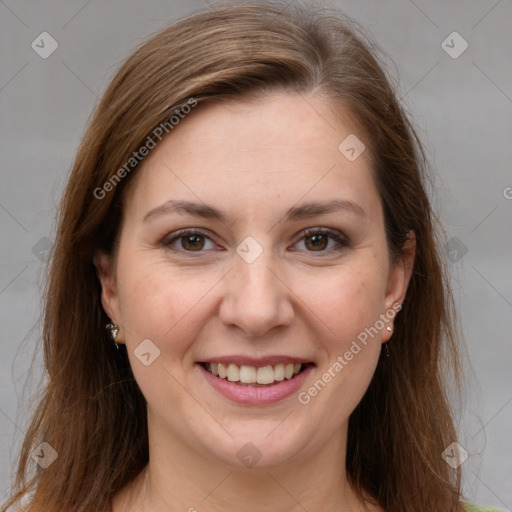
257, 298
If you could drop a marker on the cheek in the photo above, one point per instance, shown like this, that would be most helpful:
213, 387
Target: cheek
350, 305
344, 302
347, 306
166, 307
161, 304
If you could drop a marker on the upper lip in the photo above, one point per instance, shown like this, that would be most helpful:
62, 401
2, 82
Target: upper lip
258, 362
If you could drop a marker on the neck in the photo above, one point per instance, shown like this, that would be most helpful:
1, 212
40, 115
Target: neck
179, 478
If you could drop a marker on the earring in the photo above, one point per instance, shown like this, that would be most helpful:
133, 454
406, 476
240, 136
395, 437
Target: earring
113, 330
386, 347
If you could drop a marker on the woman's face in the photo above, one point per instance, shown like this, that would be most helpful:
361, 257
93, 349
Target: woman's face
254, 284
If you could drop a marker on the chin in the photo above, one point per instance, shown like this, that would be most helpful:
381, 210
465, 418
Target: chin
264, 444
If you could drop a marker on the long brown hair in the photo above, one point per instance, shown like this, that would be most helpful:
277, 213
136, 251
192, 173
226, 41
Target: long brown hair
92, 411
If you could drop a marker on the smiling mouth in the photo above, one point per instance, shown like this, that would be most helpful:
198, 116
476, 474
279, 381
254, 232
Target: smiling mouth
252, 376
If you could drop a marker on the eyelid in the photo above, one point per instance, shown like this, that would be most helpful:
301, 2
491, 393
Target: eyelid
176, 235
336, 235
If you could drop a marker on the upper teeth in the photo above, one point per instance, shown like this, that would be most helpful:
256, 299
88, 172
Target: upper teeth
251, 374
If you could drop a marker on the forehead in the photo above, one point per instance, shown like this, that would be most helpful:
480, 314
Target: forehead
277, 149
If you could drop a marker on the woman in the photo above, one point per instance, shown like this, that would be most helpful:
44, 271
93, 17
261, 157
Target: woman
246, 306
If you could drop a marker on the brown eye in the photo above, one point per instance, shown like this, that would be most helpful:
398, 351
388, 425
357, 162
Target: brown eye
322, 241
316, 242
188, 241
192, 242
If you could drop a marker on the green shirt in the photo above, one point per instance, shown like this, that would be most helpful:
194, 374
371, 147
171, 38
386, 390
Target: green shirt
475, 508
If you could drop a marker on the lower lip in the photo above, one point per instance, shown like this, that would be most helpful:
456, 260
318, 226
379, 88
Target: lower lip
257, 395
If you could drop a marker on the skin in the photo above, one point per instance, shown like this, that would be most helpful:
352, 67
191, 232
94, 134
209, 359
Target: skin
254, 161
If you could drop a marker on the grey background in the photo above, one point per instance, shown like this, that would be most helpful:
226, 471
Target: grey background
462, 107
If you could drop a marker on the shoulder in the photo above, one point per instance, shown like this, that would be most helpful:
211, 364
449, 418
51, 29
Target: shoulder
468, 507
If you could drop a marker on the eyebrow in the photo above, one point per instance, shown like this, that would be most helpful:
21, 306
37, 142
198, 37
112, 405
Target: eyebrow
295, 213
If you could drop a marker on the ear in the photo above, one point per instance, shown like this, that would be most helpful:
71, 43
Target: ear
105, 270
400, 274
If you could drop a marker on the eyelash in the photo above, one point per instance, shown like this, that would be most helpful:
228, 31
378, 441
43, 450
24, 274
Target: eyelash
309, 232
